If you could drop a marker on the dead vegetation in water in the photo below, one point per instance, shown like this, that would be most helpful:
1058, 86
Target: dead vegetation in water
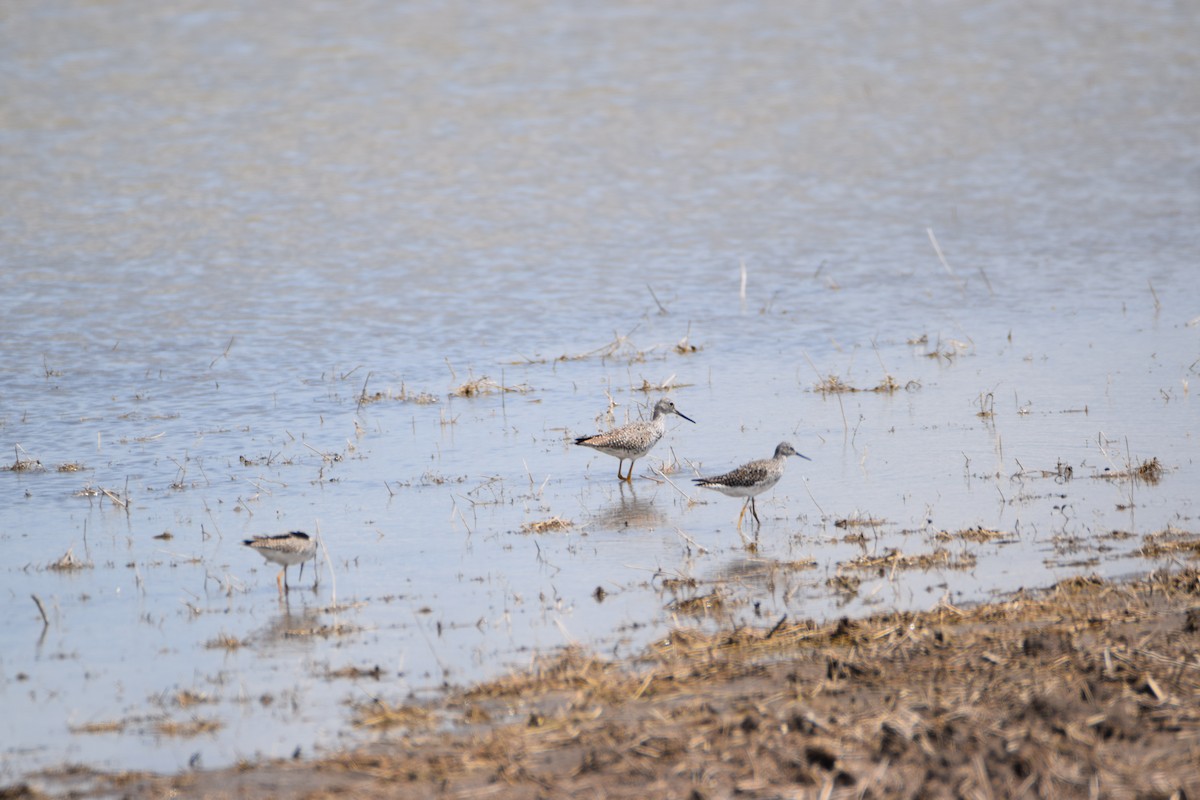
978, 535
162, 726
186, 698
704, 605
662, 387
478, 387
551, 525
1170, 543
225, 641
322, 631
572, 669
622, 348
380, 715
103, 726
187, 728
1149, 471
354, 673
402, 396
832, 384
943, 350
859, 522
100, 491
69, 562
895, 560
1062, 472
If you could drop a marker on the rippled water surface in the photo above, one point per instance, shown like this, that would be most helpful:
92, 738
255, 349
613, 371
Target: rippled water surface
250, 254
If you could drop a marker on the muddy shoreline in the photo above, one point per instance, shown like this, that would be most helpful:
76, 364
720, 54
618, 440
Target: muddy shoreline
1090, 688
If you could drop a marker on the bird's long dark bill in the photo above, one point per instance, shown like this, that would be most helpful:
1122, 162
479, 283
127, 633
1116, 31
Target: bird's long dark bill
806, 458
689, 419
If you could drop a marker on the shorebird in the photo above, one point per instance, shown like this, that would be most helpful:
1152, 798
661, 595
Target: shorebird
634, 440
286, 549
751, 479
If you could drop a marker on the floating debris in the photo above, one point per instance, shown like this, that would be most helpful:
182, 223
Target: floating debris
859, 522
379, 714
225, 641
702, 605
1169, 543
187, 728
485, 385
69, 562
403, 396
547, 525
895, 560
978, 534
1149, 471
832, 384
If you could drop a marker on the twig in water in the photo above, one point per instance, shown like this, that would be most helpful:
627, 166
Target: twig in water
810, 497
938, 249
329, 565
661, 310
38, 603
663, 475
742, 293
225, 354
362, 395
699, 547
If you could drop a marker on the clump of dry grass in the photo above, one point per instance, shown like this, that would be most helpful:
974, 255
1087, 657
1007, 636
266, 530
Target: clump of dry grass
832, 384
69, 562
107, 726
354, 673
547, 525
71, 466
572, 669
323, 631
797, 564
664, 386
978, 534
403, 396
1169, 543
381, 715
701, 605
225, 641
1149, 471
484, 386
25, 465
187, 728
186, 698
675, 584
684, 347
895, 560
619, 346
844, 584
859, 522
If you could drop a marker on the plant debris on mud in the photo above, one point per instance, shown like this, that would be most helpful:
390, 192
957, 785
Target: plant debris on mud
1090, 688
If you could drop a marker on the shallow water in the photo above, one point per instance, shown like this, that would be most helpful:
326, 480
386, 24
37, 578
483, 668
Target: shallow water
222, 223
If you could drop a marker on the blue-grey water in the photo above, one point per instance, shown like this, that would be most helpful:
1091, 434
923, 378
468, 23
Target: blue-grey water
223, 222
